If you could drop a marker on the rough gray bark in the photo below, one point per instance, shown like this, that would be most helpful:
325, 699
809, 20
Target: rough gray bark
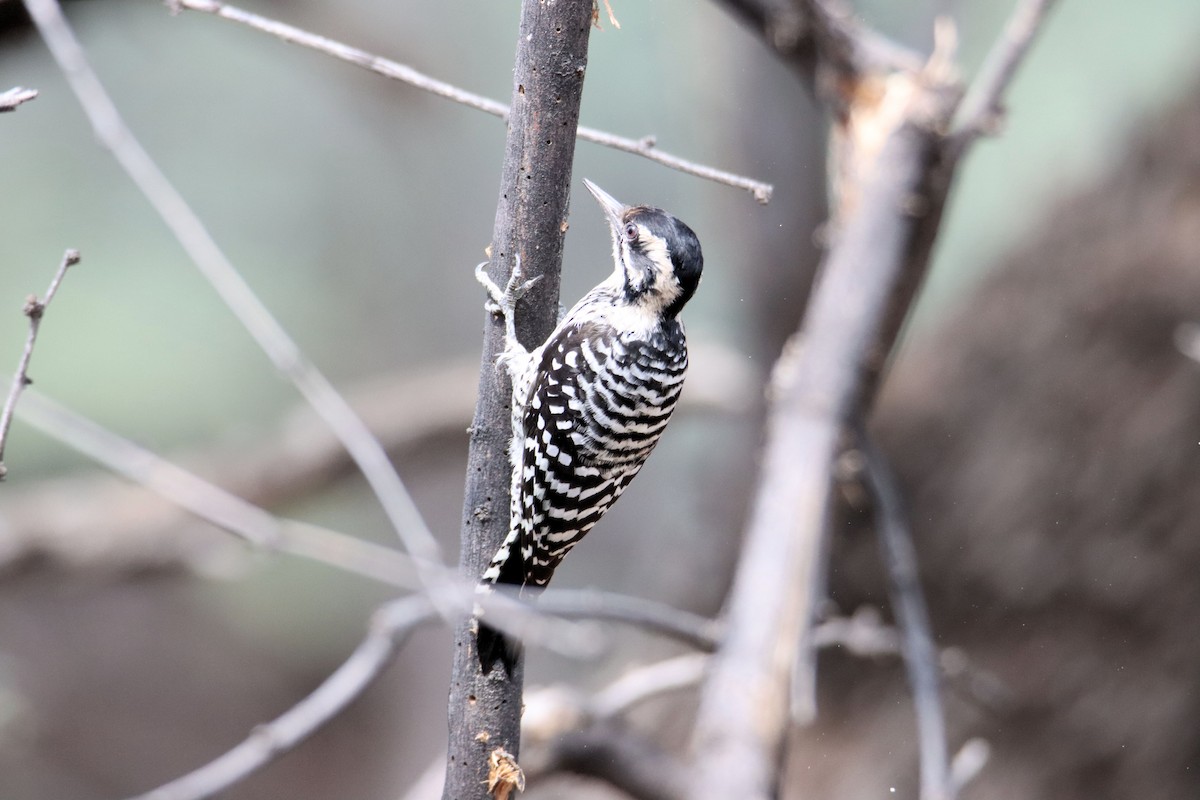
531, 220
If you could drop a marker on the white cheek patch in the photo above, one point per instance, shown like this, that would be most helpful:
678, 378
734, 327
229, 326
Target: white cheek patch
655, 249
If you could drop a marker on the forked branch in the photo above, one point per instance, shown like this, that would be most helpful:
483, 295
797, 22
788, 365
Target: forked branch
892, 192
982, 110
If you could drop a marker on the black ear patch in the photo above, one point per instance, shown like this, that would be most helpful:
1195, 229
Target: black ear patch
686, 255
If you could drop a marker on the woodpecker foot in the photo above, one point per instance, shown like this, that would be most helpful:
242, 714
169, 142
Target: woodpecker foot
504, 301
495, 302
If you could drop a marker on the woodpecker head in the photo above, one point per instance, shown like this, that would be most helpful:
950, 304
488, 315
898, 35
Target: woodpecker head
657, 257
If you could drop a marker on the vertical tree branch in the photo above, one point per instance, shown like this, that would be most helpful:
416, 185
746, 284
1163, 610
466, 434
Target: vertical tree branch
819, 385
531, 220
893, 190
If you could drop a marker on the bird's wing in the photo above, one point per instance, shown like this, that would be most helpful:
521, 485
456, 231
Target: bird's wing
563, 493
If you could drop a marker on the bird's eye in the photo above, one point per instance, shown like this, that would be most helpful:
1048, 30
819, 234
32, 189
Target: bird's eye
631, 232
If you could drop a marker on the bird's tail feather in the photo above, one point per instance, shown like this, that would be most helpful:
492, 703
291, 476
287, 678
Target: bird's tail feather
494, 646
506, 569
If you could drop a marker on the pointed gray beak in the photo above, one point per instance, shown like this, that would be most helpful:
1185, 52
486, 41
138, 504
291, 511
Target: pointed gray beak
613, 208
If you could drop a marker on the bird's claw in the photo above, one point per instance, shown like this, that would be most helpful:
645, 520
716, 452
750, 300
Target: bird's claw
495, 296
503, 301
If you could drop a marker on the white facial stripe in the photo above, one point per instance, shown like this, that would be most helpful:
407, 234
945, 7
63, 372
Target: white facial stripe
665, 288
655, 249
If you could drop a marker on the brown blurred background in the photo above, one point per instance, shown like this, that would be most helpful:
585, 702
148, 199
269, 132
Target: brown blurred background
1040, 412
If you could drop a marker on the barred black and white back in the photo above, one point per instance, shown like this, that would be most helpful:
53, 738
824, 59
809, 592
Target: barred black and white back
592, 401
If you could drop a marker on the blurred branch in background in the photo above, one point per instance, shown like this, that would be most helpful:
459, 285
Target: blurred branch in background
276, 534
565, 729
393, 621
912, 617
824, 41
981, 112
646, 146
34, 309
188, 492
208, 257
701, 633
390, 626
890, 132
10, 99
113, 525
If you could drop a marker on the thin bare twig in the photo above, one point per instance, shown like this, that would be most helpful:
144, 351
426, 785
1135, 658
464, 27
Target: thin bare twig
14, 97
212, 262
982, 110
351, 55
34, 310
644, 147
209, 502
389, 627
647, 682
552, 711
548, 620
912, 617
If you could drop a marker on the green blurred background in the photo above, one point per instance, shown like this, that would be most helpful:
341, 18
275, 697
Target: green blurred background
357, 207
